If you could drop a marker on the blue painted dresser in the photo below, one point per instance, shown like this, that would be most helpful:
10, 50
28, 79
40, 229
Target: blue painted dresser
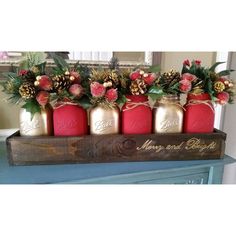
154, 172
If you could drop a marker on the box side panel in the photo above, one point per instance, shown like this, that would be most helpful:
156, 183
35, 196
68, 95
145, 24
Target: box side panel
114, 148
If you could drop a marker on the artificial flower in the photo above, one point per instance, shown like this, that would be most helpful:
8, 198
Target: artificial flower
111, 95
189, 77
185, 85
76, 90
97, 89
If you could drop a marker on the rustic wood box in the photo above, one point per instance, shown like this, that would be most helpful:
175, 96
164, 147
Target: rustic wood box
114, 148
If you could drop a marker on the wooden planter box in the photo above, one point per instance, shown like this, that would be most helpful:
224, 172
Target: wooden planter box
114, 148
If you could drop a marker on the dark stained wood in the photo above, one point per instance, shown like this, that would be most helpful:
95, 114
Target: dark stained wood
114, 148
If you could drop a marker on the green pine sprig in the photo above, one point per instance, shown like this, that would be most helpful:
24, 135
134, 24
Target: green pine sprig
32, 106
61, 64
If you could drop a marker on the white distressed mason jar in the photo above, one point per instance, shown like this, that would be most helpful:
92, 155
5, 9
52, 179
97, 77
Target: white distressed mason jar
41, 124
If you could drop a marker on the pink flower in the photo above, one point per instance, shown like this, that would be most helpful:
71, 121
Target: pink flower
75, 77
76, 90
186, 63
42, 98
111, 95
223, 98
189, 77
149, 78
97, 90
198, 62
135, 75
44, 82
185, 86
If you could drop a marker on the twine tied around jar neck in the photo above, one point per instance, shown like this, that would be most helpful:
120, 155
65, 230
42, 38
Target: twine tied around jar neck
131, 105
63, 103
199, 102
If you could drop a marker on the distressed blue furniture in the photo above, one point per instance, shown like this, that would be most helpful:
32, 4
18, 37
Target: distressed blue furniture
158, 172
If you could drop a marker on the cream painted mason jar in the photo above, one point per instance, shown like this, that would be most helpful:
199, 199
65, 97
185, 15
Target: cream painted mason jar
41, 124
104, 119
168, 115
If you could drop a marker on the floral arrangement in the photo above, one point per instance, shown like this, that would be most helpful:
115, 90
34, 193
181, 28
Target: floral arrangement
139, 81
112, 84
69, 84
30, 85
80, 84
197, 79
165, 83
104, 86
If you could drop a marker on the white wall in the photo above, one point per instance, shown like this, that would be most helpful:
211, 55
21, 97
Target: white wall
174, 60
229, 127
8, 113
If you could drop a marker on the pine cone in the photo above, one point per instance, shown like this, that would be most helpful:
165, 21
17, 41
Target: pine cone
27, 90
138, 87
170, 77
111, 76
61, 82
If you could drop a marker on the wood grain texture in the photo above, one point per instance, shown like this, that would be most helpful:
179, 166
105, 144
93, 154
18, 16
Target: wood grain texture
114, 148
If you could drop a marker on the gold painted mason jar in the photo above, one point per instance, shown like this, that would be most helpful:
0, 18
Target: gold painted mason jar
104, 119
168, 115
41, 124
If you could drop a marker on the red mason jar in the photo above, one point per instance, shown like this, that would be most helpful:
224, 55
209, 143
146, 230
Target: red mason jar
199, 114
136, 115
70, 120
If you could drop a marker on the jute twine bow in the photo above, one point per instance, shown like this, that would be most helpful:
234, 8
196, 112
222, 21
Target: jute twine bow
61, 104
131, 105
199, 102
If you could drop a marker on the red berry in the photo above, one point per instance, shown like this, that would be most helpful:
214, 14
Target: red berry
135, 75
44, 82
186, 63
23, 72
223, 98
76, 76
150, 78
42, 98
198, 62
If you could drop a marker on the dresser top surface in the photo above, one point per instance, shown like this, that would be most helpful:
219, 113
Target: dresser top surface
70, 172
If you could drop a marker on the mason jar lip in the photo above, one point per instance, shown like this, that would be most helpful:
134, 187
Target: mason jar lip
170, 97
